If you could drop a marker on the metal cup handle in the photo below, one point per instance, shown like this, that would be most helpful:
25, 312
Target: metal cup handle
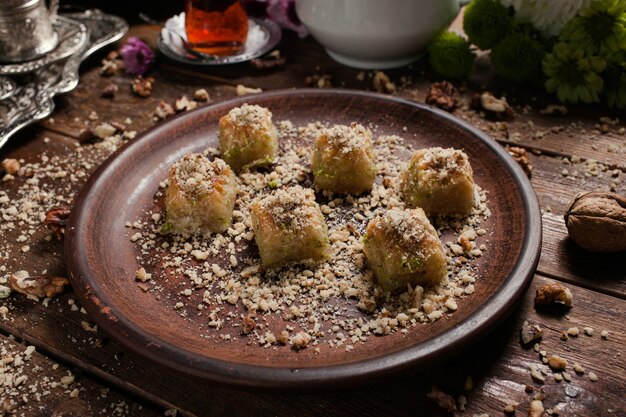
53, 9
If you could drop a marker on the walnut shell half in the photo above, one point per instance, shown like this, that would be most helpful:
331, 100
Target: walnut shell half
596, 221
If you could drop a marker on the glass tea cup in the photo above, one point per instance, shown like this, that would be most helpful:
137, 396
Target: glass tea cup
216, 27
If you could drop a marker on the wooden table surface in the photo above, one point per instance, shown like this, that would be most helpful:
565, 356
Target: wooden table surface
569, 153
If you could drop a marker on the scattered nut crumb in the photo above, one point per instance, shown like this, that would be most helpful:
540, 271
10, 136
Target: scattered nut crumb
496, 107
300, 340
242, 90
10, 166
573, 331
142, 275
181, 104
535, 409
553, 293
104, 130
142, 87
248, 324
56, 220
535, 374
164, 110
530, 332
521, 157
443, 95
323, 81
553, 109
270, 61
592, 376
382, 83
109, 91
201, 95
39, 286
557, 363
443, 400
110, 65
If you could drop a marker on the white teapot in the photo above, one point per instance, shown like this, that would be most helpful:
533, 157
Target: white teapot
376, 34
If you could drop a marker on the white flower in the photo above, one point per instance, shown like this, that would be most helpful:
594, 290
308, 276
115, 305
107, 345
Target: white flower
548, 16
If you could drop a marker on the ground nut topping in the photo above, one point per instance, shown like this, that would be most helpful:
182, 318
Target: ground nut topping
349, 138
441, 165
195, 174
406, 224
291, 207
247, 114
334, 303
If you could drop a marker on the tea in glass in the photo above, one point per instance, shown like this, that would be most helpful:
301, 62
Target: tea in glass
216, 27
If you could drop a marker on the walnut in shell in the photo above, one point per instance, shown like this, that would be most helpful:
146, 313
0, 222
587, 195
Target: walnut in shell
596, 221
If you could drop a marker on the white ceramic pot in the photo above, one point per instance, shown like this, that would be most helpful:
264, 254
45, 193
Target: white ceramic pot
376, 34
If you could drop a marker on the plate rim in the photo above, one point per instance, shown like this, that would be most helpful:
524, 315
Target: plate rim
242, 375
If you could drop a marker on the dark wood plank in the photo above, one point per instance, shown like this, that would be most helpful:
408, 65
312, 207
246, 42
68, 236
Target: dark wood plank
498, 366
555, 192
73, 110
33, 385
562, 259
578, 133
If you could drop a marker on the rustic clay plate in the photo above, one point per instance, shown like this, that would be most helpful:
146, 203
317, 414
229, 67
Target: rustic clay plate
102, 260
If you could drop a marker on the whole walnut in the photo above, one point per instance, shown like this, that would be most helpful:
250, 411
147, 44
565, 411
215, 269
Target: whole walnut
596, 221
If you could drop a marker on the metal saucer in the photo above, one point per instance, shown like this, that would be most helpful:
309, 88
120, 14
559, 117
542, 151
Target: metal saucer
263, 36
73, 35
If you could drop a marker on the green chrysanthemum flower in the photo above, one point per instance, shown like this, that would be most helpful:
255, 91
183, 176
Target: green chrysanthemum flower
486, 22
451, 57
599, 28
615, 86
573, 75
518, 58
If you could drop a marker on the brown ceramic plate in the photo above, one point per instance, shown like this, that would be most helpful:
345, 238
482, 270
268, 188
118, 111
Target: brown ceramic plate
102, 260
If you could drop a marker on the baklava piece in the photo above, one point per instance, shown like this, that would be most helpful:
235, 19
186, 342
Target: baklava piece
439, 181
248, 138
402, 248
343, 160
289, 226
200, 196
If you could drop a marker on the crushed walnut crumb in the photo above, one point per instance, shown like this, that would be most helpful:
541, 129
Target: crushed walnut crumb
443, 95
335, 302
382, 83
242, 90
142, 87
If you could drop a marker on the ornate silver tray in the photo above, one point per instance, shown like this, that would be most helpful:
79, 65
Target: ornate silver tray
29, 97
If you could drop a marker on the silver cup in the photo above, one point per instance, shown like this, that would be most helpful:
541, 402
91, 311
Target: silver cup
26, 30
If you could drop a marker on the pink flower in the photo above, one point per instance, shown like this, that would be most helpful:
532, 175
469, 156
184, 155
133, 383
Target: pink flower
137, 56
282, 12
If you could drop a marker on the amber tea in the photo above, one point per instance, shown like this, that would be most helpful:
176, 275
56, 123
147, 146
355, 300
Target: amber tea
216, 27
